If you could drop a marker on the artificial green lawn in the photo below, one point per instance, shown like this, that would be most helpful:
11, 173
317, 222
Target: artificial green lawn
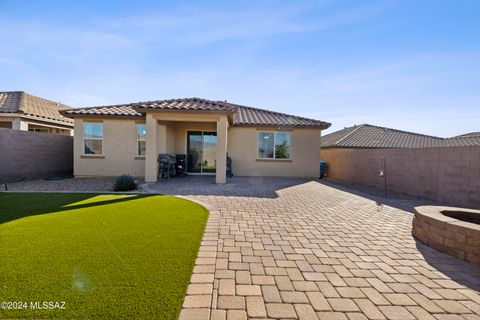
107, 256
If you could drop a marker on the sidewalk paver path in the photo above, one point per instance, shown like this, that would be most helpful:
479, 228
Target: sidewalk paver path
316, 252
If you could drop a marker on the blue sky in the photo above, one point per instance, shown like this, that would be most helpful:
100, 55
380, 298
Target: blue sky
407, 64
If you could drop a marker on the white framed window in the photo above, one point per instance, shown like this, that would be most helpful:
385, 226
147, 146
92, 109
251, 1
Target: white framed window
141, 139
44, 130
93, 138
274, 145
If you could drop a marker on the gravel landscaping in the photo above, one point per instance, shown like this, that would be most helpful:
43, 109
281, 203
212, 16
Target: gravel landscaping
65, 185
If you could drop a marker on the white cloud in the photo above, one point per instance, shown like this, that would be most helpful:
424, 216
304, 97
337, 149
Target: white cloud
105, 60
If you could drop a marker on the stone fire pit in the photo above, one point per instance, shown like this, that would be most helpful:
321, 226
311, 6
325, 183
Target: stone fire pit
455, 231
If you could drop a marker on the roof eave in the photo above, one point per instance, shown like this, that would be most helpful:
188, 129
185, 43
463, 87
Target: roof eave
104, 116
47, 121
160, 110
276, 125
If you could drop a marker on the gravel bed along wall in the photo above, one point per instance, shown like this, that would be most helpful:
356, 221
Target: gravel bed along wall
65, 185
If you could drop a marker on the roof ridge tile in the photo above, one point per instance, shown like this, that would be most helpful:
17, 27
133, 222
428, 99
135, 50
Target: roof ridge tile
349, 133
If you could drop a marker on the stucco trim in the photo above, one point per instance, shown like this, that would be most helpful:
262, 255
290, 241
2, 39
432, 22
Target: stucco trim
84, 156
273, 129
273, 160
93, 121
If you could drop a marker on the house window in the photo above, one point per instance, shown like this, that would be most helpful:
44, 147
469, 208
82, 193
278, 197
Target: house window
274, 145
141, 136
93, 138
44, 130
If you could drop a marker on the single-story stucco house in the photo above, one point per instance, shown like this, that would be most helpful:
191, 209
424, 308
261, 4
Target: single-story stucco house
22, 111
127, 139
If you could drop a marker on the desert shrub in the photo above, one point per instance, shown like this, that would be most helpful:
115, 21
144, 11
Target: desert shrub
124, 183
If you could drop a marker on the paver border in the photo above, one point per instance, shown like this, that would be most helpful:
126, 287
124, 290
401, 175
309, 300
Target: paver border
201, 297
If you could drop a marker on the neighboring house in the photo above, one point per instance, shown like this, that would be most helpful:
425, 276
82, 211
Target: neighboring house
369, 136
112, 140
439, 169
467, 139
23, 111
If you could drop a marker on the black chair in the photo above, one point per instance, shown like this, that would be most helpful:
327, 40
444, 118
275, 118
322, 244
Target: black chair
180, 165
229, 167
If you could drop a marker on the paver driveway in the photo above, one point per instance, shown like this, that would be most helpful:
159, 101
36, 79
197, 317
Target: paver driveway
317, 252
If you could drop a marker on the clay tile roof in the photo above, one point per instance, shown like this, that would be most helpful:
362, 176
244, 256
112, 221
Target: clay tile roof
113, 110
469, 139
136, 109
254, 116
22, 103
331, 139
369, 136
241, 115
196, 104
468, 135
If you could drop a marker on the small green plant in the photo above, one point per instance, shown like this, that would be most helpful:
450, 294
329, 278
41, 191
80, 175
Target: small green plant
124, 183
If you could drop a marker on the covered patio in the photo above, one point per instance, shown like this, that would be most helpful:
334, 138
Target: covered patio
174, 132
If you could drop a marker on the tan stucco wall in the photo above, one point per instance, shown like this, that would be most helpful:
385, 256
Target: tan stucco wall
242, 148
119, 149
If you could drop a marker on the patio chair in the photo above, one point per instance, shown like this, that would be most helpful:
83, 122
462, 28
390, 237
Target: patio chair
180, 165
229, 167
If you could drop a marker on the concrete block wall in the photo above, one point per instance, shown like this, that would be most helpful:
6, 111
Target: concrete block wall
29, 155
446, 175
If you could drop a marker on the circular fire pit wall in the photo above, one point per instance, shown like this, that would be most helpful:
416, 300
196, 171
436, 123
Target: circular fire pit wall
454, 231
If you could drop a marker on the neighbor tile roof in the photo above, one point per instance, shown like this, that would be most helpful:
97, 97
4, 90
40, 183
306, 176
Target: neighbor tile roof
332, 138
22, 103
468, 135
369, 136
463, 140
242, 115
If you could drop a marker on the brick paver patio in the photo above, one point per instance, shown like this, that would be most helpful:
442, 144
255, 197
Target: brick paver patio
296, 249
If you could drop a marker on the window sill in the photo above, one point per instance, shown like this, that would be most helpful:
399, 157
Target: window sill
93, 156
140, 158
273, 160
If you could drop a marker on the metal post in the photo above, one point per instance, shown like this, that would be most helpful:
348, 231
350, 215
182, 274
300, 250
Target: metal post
384, 162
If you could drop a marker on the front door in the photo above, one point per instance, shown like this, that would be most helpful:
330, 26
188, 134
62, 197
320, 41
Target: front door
201, 151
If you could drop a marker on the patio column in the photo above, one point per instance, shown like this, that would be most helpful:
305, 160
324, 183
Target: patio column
222, 133
151, 153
